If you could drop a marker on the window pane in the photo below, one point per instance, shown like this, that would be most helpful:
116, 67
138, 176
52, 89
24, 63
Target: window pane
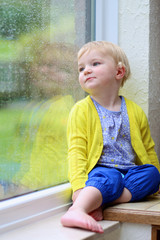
39, 40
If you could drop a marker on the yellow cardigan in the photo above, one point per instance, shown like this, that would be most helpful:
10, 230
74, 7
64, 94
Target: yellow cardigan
85, 140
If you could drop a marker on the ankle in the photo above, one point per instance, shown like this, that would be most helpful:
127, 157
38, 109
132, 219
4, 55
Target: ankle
76, 208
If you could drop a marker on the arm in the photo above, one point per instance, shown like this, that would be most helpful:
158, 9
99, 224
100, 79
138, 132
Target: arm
148, 141
77, 148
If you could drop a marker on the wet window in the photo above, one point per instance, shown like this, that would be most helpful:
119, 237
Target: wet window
39, 40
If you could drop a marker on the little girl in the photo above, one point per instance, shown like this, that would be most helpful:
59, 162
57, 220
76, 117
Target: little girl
111, 153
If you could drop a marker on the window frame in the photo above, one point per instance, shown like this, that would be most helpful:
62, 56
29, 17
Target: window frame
20, 210
106, 24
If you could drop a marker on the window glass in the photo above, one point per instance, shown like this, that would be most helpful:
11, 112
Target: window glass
39, 40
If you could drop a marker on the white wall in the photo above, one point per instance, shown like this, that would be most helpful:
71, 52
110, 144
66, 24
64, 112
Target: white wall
134, 39
135, 26
139, 36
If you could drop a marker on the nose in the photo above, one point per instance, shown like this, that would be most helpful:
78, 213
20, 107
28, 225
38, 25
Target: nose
87, 70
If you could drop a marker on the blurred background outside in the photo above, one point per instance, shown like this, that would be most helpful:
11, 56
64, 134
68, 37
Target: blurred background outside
39, 40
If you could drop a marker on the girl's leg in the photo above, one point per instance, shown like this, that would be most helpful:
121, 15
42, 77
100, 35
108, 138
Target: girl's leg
108, 181
142, 181
104, 185
88, 200
125, 197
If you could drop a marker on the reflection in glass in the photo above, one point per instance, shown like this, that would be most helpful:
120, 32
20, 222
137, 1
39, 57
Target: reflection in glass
38, 87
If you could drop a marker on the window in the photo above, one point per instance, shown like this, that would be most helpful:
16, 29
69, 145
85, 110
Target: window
39, 40
106, 24
26, 26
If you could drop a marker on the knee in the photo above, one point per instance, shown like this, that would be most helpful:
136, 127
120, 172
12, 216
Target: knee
109, 182
154, 173
125, 197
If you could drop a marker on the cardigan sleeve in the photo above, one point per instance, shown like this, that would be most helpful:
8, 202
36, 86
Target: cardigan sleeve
148, 141
77, 148
141, 139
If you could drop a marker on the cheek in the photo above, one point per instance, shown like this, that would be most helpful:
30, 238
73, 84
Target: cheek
80, 79
99, 71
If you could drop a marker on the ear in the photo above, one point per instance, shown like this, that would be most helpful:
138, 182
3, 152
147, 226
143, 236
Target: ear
120, 72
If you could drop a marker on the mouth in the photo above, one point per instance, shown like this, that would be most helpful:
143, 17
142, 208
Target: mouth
89, 78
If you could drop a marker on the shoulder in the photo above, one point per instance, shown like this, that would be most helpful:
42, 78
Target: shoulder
84, 112
83, 105
131, 105
85, 101
135, 111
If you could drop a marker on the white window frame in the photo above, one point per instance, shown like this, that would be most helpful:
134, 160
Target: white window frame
106, 26
31, 207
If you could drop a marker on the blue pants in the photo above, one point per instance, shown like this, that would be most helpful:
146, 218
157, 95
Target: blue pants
141, 181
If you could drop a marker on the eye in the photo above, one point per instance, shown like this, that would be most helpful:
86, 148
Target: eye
81, 69
96, 63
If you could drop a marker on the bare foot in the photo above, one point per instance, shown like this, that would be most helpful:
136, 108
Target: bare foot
97, 214
78, 218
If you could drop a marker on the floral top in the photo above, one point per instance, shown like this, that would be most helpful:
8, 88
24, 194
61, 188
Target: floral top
117, 149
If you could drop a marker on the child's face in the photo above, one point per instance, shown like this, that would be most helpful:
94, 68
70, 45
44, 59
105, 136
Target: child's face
96, 71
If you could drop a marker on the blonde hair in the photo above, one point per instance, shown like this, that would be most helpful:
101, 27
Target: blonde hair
110, 49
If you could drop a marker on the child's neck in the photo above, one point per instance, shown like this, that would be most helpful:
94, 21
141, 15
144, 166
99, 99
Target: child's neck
112, 103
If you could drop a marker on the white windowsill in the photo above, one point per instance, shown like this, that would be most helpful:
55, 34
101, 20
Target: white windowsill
50, 228
37, 216
32, 207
